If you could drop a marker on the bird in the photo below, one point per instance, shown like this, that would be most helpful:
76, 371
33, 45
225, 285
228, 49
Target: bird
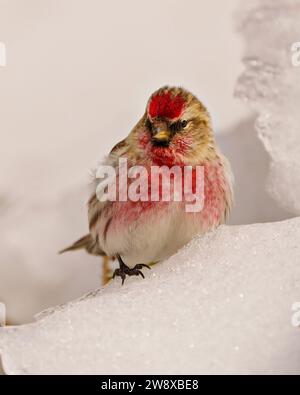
175, 131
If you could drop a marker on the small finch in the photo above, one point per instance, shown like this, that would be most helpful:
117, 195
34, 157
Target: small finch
175, 131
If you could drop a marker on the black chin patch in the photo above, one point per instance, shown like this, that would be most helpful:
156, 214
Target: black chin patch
162, 144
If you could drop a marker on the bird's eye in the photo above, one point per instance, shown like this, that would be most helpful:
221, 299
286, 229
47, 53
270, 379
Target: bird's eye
184, 124
178, 126
149, 124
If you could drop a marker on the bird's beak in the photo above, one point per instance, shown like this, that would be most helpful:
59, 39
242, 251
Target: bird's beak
162, 137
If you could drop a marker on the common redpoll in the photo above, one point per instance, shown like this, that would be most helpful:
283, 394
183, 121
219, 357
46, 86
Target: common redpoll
175, 131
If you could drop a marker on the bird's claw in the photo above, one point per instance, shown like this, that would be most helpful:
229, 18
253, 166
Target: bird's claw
127, 271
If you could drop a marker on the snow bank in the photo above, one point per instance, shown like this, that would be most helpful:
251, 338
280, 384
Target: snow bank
271, 83
224, 304
33, 276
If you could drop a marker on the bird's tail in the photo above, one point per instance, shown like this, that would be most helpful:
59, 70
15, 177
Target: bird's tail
87, 243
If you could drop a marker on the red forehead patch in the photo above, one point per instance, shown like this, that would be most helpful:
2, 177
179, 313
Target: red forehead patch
164, 105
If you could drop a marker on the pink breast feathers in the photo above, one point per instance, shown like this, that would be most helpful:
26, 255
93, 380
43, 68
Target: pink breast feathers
215, 189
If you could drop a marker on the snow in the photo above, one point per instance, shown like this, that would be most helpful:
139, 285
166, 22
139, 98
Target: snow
271, 84
223, 304
32, 274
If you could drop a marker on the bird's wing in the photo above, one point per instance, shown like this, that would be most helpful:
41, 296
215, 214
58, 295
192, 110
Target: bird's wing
90, 242
118, 148
97, 208
87, 243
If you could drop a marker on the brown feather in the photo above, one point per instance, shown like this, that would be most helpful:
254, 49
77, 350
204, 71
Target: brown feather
87, 243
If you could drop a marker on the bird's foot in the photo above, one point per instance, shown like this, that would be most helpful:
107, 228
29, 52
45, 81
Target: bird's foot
124, 271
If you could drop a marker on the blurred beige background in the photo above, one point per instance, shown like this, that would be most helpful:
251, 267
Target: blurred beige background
78, 75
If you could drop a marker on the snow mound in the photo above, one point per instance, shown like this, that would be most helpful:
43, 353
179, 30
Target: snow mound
223, 304
271, 84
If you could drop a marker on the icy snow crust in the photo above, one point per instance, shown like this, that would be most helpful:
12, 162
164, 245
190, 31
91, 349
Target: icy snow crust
221, 305
271, 84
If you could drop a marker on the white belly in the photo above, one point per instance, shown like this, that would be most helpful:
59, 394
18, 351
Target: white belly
156, 238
